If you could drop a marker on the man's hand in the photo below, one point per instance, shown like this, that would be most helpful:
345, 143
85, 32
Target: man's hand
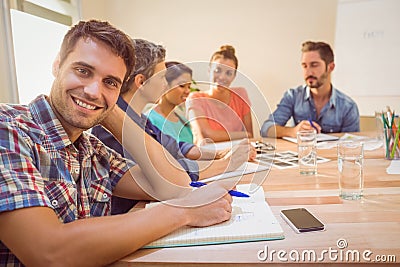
207, 205
239, 154
305, 126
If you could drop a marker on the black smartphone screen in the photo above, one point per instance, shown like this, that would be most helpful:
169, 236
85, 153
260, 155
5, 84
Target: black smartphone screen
301, 220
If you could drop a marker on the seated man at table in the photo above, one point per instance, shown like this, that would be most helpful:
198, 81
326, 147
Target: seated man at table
56, 179
317, 104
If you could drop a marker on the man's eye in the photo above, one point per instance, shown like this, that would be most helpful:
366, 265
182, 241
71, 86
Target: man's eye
82, 71
111, 82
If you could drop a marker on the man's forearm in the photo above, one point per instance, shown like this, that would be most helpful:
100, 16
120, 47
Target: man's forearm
156, 163
278, 131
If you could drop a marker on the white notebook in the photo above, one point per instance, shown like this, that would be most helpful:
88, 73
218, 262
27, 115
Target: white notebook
321, 137
245, 168
252, 220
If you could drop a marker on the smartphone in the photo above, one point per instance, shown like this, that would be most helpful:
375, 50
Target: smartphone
301, 220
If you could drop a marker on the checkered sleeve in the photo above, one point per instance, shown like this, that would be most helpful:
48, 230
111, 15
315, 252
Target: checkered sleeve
21, 184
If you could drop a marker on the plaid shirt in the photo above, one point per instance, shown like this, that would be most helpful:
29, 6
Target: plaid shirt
39, 166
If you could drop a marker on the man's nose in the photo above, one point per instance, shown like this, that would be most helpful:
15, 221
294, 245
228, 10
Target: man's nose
307, 71
93, 89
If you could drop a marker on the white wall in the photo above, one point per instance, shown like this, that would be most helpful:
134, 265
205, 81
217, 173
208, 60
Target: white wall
267, 34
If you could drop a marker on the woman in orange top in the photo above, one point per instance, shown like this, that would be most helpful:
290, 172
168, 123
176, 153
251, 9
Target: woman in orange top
221, 113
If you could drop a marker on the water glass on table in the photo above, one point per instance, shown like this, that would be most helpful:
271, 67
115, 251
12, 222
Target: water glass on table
350, 167
307, 152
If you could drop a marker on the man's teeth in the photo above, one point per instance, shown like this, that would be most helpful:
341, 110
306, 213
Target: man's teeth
80, 103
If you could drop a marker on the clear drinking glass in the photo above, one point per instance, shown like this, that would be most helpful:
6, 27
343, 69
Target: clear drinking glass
307, 152
350, 167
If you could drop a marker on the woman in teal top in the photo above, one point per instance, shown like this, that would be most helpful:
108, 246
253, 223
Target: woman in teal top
164, 114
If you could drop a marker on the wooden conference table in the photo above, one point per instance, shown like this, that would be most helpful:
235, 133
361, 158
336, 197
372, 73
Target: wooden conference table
370, 227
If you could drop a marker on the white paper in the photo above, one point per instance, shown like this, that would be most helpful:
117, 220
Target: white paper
394, 167
321, 137
369, 143
245, 168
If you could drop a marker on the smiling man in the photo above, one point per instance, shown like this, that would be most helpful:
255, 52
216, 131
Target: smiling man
56, 179
329, 110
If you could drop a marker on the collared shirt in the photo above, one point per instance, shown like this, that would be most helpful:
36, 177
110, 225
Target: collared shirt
39, 166
340, 114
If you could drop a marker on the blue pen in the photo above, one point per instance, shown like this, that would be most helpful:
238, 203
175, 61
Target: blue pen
231, 192
312, 125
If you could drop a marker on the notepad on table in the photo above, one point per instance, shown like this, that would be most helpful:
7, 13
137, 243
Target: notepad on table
245, 168
251, 220
321, 137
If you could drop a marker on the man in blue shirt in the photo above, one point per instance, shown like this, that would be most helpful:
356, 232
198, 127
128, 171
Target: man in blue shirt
317, 104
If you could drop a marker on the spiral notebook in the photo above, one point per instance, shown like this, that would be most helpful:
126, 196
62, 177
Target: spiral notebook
252, 220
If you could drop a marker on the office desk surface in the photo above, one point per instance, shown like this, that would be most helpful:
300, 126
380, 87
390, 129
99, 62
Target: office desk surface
366, 230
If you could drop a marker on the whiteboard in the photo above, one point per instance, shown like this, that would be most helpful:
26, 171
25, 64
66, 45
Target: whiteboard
367, 47
36, 44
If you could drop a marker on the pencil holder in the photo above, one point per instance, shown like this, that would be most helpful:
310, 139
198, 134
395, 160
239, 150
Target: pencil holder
391, 142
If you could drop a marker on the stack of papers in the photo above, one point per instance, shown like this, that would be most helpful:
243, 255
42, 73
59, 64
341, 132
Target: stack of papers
369, 143
246, 168
321, 137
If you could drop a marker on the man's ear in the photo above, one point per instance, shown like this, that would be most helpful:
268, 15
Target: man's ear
139, 80
331, 66
56, 65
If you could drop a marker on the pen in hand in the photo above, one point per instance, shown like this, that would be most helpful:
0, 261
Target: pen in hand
231, 192
312, 125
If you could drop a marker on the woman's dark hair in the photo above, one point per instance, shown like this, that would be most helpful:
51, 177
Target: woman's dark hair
175, 69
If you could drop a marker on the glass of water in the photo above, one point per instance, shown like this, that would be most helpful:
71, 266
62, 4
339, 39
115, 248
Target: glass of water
306, 148
350, 167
